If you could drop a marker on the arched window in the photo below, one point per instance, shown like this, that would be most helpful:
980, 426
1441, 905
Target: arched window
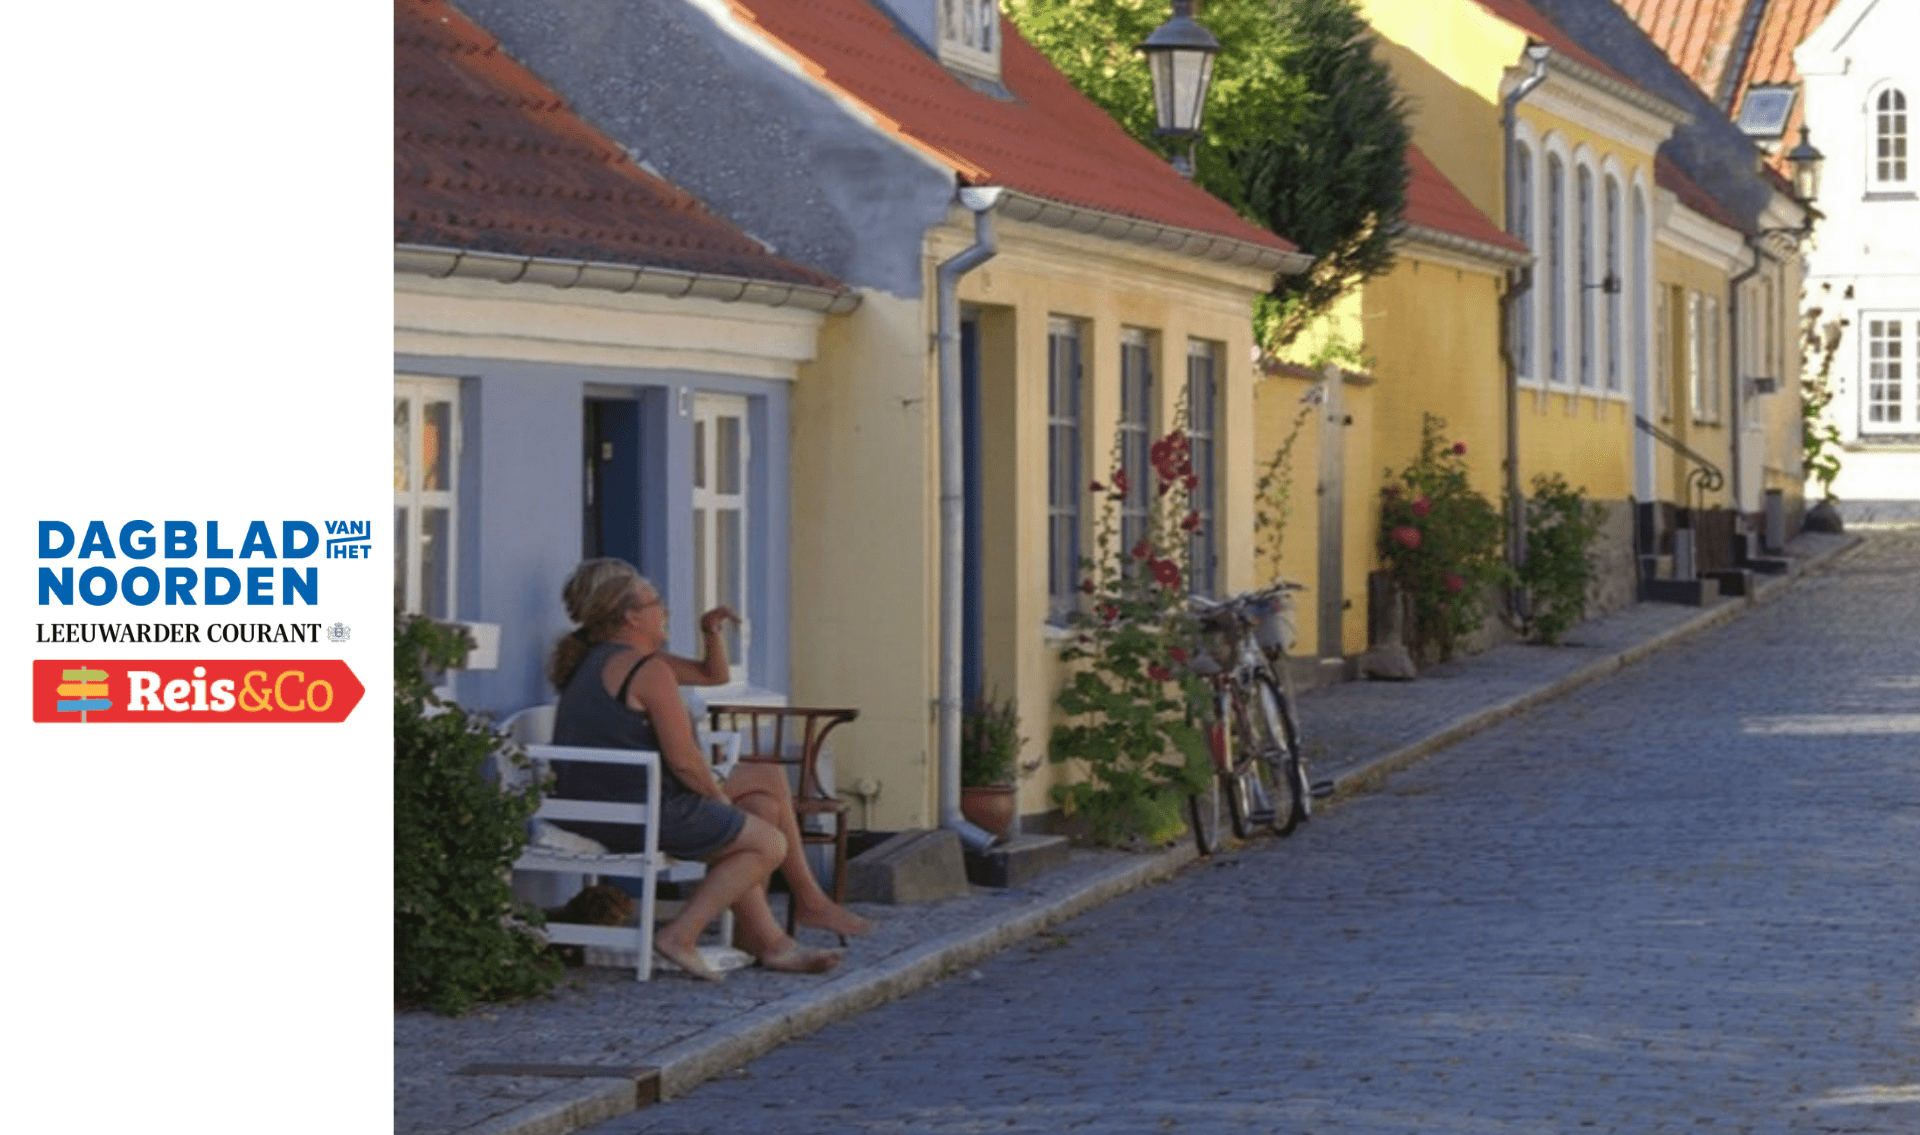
1522, 213
1642, 283
1583, 217
1889, 139
1556, 268
1615, 286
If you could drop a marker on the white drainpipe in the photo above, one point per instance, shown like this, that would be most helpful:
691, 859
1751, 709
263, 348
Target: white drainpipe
952, 502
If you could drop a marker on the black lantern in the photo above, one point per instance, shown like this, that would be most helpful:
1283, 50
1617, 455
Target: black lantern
1180, 53
1806, 169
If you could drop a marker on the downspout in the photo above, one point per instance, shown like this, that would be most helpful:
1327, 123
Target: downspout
1519, 282
952, 502
1733, 336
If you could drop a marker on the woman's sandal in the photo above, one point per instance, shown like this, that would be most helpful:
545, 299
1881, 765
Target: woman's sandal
799, 959
694, 967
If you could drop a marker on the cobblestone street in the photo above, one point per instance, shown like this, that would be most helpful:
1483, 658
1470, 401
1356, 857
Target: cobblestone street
1684, 898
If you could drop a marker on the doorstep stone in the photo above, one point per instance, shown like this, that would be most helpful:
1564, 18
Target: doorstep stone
916, 865
1019, 860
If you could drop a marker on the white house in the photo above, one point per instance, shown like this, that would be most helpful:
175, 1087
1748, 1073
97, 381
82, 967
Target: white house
1862, 92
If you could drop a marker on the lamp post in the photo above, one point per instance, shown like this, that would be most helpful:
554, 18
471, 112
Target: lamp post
1805, 161
1180, 56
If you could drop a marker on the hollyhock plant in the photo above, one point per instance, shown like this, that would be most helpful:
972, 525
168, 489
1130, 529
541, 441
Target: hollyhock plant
1129, 729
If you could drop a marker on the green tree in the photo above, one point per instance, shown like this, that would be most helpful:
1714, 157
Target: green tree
1305, 132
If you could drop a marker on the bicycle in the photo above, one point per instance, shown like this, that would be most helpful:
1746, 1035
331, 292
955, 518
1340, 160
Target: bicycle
1254, 736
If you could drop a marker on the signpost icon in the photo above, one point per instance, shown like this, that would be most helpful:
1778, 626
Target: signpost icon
87, 689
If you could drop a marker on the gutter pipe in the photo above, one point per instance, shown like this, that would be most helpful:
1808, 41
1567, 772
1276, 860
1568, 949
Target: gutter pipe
981, 201
1519, 282
1733, 345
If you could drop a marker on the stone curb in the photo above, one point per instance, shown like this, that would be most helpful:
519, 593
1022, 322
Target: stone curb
1368, 775
699, 1058
687, 1064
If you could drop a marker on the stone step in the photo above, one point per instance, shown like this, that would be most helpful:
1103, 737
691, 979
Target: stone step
1019, 860
1692, 592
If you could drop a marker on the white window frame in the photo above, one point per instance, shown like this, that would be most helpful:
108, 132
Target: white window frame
1889, 123
1697, 355
969, 34
1138, 426
1066, 468
1204, 359
1664, 314
1889, 344
1556, 188
1613, 364
1586, 310
416, 392
1526, 215
709, 498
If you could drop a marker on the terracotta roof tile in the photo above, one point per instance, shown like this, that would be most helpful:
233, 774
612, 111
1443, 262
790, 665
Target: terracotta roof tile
487, 158
1435, 202
1048, 141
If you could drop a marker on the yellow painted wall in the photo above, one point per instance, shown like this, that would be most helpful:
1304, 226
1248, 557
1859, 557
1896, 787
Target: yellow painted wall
865, 483
1681, 275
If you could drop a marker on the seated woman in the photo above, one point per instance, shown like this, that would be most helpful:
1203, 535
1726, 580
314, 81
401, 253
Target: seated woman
620, 688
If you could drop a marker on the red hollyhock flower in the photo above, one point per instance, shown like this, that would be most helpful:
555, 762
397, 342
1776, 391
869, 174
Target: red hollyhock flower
1086, 585
1407, 535
1120, 481
1159, 673
1455, 582
1096, 487
1177, 653
1459, 447
1167, 573
1422, 506
1191, 522
1191, 482
1143, 550
1109, 612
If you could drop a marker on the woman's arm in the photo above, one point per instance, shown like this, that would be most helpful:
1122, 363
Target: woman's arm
655, 692
711, 668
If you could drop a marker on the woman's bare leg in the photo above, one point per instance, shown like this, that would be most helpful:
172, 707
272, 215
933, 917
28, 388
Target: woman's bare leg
761, 790
740, 869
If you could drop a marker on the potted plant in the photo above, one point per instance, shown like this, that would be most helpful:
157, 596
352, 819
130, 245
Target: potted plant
989, 763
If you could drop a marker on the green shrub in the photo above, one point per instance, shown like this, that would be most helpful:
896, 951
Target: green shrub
990, 743
1441, 543
1559, 569
458, 935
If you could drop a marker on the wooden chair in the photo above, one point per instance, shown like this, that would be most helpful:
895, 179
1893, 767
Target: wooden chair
794, 736
556, 851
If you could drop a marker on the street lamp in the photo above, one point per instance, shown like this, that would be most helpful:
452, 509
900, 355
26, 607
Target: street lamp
1805, 161
1180, 55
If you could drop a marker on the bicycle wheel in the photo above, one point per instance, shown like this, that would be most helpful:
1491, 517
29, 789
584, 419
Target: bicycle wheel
1203, 816
1248, 780
1271, 728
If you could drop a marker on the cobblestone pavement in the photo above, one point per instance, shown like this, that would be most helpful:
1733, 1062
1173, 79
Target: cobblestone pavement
1684, 898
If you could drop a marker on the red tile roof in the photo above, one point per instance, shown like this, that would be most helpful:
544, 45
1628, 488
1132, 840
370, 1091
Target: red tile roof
1701, 38
487, 158
1048, 141
1669, 176
1435, 202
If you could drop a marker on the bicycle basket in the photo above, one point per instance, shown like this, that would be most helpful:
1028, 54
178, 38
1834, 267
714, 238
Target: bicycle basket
1274, 630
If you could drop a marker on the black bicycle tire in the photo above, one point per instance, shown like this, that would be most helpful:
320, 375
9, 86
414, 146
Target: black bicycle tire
1203, 816
1245, 780
1274, 746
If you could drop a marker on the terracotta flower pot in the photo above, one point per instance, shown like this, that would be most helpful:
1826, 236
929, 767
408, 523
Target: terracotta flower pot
990, 806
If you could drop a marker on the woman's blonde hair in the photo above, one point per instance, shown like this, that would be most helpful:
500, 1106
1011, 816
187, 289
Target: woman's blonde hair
597, 596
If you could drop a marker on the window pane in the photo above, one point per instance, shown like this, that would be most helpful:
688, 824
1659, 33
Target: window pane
726, 455
702, 595
400, 544
699, 453
728, 573
436, 553
402, 446
436, 438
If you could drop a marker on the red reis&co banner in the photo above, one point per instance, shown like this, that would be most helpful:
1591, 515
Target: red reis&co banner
319, 690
